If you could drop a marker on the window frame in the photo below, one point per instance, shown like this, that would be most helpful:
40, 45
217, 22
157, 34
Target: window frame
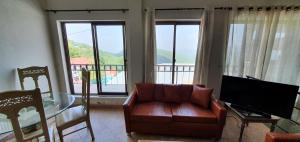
96, 54
175, 23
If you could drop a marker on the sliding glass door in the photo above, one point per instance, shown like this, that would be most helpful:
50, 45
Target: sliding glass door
164, 53
176, 48
99, 47
111, 51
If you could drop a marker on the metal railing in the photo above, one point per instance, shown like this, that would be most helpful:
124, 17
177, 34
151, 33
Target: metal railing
110, 74
183, 74
114, 74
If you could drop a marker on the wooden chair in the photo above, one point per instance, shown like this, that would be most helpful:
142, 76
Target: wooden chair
35, 72
10, 105
78, 114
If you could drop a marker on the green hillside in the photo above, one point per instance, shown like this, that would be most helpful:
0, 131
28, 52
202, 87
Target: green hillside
77, 50
165, 56
83, 50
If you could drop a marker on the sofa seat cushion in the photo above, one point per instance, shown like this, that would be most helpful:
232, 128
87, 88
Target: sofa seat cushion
152, 112
188, 112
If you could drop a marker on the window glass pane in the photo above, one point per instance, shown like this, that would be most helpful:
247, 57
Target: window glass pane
164, 53
111, 57
186, 49
80, 45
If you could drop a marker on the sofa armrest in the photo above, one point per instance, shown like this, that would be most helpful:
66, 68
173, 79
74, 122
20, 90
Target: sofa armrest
130, 101
127, 107
282, 137
219, 110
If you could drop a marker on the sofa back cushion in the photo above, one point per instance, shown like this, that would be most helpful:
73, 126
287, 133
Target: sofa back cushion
145, 92
172, 93
185, 92
164, 93
159, 92
201, 96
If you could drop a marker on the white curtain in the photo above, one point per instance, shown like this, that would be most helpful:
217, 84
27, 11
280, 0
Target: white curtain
248, 41
265, 43
218, 49
203, 50
150, 57
284, 63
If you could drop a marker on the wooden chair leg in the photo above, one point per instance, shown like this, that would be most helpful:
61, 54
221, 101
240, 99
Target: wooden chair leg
61, 137
88, 123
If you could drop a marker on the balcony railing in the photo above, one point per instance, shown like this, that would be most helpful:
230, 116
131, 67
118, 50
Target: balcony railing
183, 74
112, 77
114, 74
110, 74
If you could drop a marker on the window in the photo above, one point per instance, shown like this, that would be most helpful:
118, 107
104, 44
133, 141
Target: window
176, 48
99, 47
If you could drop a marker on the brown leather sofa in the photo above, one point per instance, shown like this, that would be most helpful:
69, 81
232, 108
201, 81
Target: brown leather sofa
152, 110
282, 137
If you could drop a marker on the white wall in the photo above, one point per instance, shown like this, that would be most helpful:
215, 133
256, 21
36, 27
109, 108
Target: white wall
135, 32
215, 3
87, 4
24, 41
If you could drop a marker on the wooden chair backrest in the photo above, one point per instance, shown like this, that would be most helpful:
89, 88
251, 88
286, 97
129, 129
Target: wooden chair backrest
35, 72
85, 100
13, 101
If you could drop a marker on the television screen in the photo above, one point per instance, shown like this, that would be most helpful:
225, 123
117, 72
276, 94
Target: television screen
259, 96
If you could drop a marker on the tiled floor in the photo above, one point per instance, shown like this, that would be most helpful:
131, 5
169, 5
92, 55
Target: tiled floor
108, 126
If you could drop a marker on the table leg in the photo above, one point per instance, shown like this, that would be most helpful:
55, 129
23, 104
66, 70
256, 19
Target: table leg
272, 127
242, 131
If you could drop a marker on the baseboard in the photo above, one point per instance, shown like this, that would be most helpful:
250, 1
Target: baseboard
97, 106
103, 101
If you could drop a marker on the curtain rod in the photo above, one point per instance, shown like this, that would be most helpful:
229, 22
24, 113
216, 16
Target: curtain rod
179, 9
87, 10
261, 7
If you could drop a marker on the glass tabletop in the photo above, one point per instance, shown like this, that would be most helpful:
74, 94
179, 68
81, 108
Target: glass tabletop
290, 125
29, 117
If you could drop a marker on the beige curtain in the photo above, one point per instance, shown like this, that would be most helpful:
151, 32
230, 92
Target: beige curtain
284, 63
251, 32
149, 68
265, 44
203, 50
219, 43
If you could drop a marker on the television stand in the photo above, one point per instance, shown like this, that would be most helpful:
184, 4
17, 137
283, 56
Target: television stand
247, 117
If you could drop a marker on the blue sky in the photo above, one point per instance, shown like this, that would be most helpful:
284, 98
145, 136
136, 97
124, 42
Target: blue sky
110, 38
80, 33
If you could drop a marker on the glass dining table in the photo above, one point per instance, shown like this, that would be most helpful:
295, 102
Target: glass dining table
28, 117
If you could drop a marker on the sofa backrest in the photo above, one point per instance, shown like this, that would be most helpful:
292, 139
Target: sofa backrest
164, 92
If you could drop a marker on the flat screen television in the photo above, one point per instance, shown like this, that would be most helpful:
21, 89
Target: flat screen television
262, 97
